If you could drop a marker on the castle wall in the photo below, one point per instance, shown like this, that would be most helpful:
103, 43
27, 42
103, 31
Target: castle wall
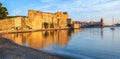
41, 20
63, 18
36, 20
12, 23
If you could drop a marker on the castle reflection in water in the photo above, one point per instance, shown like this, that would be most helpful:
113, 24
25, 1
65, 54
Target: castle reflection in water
42, 39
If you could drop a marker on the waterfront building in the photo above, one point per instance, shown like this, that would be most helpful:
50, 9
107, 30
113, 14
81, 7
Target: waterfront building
76, 25
93, 24
44, 20
117, 24
36, 20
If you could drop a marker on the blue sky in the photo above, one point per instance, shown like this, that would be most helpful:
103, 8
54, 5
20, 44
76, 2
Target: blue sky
82, 10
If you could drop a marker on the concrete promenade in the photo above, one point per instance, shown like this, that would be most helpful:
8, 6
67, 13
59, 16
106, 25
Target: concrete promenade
11, 50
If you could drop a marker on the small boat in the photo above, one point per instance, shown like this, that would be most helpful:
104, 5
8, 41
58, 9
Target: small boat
112, 28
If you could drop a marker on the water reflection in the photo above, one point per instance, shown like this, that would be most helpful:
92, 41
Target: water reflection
102, 33
86, 43
42, 39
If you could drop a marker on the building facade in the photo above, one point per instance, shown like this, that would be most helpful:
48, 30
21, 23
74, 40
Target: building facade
17, 23
44, 20
36, 20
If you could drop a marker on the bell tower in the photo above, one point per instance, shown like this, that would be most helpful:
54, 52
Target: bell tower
102, 22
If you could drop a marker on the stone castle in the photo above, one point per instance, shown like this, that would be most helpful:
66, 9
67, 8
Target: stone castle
36, 20
43, 20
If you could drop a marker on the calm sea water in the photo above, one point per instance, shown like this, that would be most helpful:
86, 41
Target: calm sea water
88, 43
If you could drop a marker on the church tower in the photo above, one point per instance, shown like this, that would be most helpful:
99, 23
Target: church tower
102, 23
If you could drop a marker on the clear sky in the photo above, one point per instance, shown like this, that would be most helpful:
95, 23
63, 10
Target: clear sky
82, 10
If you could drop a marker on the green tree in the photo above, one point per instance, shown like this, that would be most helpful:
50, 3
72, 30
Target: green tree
3, 11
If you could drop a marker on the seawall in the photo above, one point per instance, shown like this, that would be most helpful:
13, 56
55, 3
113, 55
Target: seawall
32, 30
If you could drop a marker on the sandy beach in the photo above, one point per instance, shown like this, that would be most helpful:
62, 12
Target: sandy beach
11, 50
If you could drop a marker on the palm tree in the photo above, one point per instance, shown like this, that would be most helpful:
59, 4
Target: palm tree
3, 12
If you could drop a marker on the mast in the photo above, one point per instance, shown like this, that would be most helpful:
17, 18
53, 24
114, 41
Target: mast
113, 21
113, 24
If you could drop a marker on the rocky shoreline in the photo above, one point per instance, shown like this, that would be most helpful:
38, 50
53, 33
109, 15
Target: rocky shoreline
11, 50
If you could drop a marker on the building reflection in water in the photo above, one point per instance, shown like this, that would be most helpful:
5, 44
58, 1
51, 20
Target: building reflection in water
102, 33
42, 39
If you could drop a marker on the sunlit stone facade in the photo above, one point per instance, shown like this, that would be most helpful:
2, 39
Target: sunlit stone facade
12, 23
43, 20
36, 20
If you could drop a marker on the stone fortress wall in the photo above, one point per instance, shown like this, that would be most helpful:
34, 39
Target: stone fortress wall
43, 20
36, 20
12, 23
